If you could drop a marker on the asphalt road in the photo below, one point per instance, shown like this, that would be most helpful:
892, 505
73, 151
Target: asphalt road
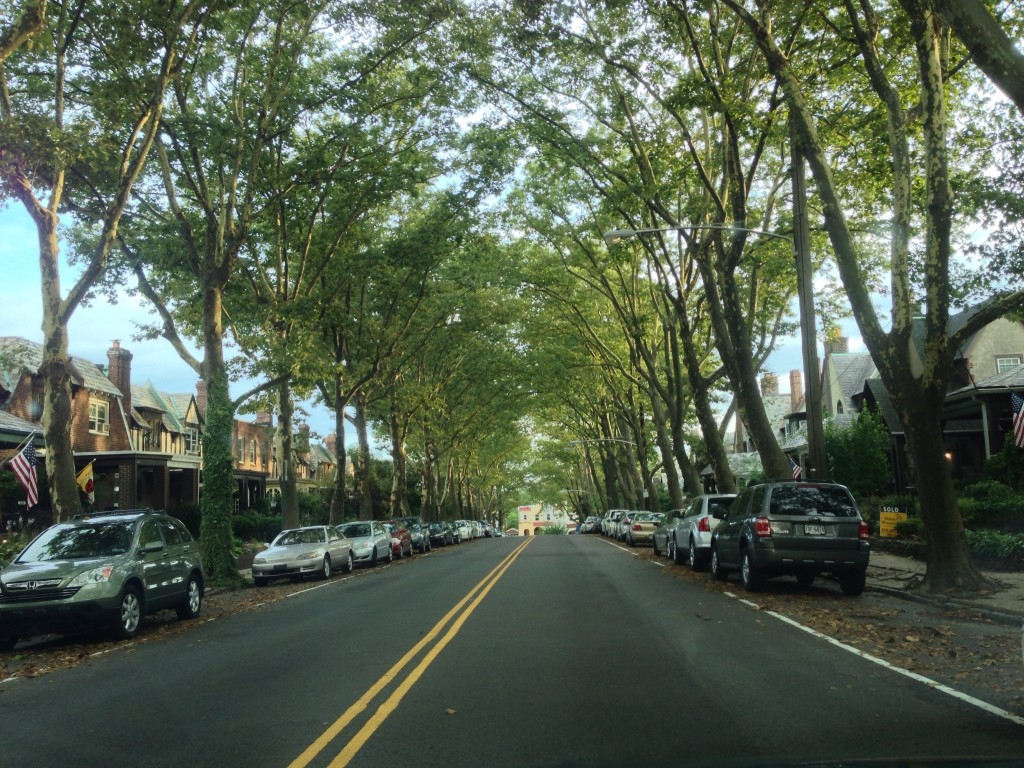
552, 651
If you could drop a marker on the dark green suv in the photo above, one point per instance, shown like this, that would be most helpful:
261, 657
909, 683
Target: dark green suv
796, 528
107, 569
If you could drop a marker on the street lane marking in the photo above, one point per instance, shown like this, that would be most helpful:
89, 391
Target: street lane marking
935, 684
363, 702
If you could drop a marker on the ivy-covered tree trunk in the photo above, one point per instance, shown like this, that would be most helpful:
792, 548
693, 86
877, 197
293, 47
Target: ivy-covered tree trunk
217, 503
363, 466
339, 497
286, 461
398, 427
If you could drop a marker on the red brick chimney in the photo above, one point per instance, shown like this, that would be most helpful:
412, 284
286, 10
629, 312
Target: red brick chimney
265, 419
201, 397
769, 384
119, 372
331, 441
796, 390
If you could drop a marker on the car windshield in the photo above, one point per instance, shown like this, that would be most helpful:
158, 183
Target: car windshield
832, 500
71, 542
359, 529
300, 536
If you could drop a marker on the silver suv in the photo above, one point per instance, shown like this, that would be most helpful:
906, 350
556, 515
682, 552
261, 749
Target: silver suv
796, 528
103, 569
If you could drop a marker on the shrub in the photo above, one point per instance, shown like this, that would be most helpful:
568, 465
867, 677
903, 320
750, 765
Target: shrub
911, 528
992, 545
190, 515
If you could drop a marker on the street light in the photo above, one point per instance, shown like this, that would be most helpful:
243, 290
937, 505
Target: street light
805, 293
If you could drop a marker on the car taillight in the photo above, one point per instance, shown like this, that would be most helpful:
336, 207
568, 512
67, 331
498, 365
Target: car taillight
703, 525
637, 527
864, 530
762, 526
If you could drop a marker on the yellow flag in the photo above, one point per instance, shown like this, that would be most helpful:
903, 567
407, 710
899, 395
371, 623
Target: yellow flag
84, 479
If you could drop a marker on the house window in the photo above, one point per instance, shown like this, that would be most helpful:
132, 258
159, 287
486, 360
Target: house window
252, 451
99, 417
191, 440
839, 407
1006, 362
241, 449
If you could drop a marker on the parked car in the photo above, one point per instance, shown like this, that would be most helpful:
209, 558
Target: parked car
310, 551
401, 539
641, 527
421, 538
610, 522
663, 533
440, 533
690, 534
796, 528
624, 522
465, 529
102, 569
371, 541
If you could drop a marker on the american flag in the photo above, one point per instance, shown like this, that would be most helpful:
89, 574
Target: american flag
1018, 418
795, 467
24, 466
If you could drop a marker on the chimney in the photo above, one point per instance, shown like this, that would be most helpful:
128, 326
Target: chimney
769, 384
265, 419
331, 441
201, 397
796, 390
119, 371
840, 345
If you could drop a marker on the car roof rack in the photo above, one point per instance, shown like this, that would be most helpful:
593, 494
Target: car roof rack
117, 513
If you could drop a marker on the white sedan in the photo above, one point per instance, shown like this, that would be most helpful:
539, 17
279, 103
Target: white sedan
311, 551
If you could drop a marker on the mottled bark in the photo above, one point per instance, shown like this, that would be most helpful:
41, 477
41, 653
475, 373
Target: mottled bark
286, 458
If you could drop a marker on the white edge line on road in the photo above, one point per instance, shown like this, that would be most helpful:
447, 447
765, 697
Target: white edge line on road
990, 708
319, 586
633, 552
660, 565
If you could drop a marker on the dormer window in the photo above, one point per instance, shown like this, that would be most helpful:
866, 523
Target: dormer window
99, 417
1006, 362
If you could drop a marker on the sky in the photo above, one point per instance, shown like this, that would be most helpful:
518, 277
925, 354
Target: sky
93, 328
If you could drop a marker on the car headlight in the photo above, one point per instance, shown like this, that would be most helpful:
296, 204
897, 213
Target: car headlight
258, 560
99, 575
363, 547
316, 554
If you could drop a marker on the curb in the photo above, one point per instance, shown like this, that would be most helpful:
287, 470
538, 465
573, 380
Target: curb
1001, 617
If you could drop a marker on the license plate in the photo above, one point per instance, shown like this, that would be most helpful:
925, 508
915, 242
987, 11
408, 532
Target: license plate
814, 530
280, 567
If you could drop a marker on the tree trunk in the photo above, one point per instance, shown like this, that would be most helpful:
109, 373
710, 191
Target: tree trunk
340, 496
399, 503
365, 474
286, 459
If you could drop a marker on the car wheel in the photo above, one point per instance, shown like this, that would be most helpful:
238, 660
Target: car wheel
349, 563
391, 554
129, 613
677, 555
695, 559
853, 583
749, 574
193, 602
260, 581
629, 540
7, 642
717, 572
325, 569
654, 544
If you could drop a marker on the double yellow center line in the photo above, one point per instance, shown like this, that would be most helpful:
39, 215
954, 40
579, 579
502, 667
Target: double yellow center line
473, 598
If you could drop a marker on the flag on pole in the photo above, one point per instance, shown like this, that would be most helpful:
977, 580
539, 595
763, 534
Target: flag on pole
795, 467
85, 483
24, 466
1018, 419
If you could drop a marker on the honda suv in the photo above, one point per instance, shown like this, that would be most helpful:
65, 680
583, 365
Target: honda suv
97, 570
795, 528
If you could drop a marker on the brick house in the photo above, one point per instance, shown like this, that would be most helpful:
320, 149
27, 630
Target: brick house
145, 456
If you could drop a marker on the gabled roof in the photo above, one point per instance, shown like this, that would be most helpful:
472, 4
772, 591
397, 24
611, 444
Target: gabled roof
776, 408
885, 406
953, 324
851, 370
173, 408
18, 355
318, 454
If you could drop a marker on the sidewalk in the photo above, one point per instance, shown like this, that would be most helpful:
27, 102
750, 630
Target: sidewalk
898, 575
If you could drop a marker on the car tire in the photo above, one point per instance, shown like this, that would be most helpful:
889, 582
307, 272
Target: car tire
7, 642
350, 563
325, 569
654, 544
129, 613
260, 581
717, 572
391, 554
853, 583
677, 556
749, 574
629, 540
696, 560
193, 601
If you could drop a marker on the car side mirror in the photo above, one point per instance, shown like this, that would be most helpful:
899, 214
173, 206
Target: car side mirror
154, 546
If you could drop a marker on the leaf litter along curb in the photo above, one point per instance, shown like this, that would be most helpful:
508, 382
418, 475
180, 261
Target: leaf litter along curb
955, 646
